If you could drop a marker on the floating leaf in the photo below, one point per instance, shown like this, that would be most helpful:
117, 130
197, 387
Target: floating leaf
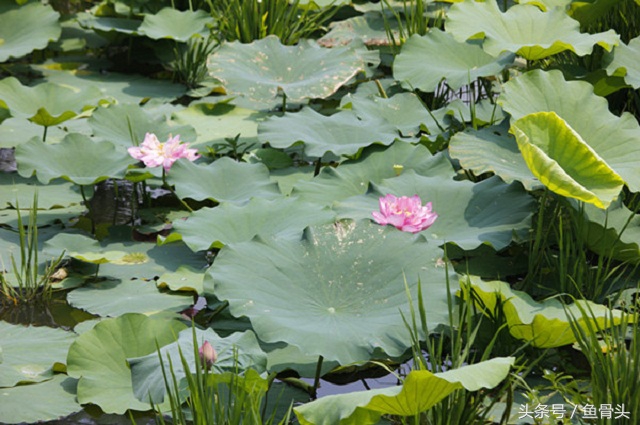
468, 214
175, 24
109, 24
185, 278
563, 162
29, 353
26, 28
337, 292
230, 223
46, 104
370, 28
420, 391
236, 353
546, 324
523, 29
77, 159
614, 139
492, 150
16, 190
112, 298
342, 133
427, 60
46, 401
225, 180
105, 380
264, 68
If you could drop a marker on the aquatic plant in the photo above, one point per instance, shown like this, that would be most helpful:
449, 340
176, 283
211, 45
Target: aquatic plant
405, 213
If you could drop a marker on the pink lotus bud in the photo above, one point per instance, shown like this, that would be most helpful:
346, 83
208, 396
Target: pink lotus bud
406, 214
208, 355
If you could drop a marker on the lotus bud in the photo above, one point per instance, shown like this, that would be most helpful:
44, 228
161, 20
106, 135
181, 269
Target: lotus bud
208, 355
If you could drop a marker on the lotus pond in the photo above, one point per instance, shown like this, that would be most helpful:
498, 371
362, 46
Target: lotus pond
250, 211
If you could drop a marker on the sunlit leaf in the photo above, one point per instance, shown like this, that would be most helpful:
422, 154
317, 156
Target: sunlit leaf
175, 24
26, 28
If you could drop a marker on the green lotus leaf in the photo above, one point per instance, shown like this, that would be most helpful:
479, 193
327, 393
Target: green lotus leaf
427, 60
109, 24
16, 131
347, 280
46, 104
111, 298
614, 139
523, 29
225, 180
353, 177
175, 24
492, 150
236, 353
545, 324
29, 353
185, 278
370, 28
98, 358
404, 111
468, 214
613, 232
563, 162
230, 223
589, 12
26, 28
342, 133
546, 5
214, 123
622, 62
263, 69
77, 159
124, 88
126, 125
47, 401
19, 190
420, 391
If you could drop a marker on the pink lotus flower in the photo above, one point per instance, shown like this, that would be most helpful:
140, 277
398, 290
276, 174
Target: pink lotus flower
153, 153
208, 355
406, 214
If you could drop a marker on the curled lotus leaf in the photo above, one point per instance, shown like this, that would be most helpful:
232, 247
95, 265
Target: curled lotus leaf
622, 62
523, 29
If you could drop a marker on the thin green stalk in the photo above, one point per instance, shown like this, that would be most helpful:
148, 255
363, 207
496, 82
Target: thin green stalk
168, 187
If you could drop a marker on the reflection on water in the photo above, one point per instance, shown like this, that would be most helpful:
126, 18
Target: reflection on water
55, 313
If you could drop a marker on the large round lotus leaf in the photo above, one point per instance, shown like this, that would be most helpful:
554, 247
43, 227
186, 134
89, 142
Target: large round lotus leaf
98, 358
236, 353
564, 162
29, 353
614, 139
371, 28
117, 297
342, 133
224, 180
353, 177
15, 189
545, 324
46, 401
16, 131
338, 292
230, 223
175, 24
126, 125
77, 158
214, 122
125, 88
492, 150
263, 69
427, 60
523, 29
468, 214
404, 111
26, 28
420, 391
622, 62
46, 104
